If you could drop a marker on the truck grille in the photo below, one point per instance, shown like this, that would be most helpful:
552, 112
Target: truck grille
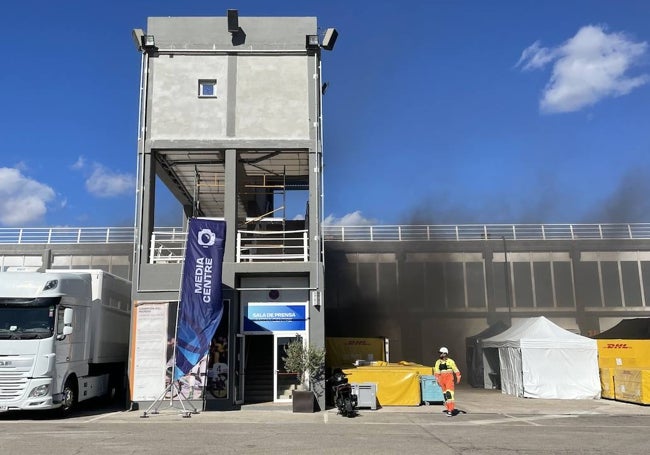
14, 372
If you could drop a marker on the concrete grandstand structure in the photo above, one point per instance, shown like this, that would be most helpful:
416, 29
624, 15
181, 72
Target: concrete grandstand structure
422, 286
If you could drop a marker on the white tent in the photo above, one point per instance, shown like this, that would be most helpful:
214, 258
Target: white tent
538, 359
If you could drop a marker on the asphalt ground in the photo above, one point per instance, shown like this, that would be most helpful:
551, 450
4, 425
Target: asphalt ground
493, 423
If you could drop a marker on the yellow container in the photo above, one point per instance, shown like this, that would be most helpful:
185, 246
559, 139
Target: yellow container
607, 383
623, 353
632, 385
398, 384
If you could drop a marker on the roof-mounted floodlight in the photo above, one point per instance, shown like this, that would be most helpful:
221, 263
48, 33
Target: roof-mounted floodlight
137, 34
148, 42
329, 39
233, 21
312, 42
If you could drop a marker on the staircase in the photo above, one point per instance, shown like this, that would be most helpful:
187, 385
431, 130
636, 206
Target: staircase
258, 381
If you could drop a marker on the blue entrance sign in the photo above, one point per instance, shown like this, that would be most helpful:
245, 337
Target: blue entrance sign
273, 318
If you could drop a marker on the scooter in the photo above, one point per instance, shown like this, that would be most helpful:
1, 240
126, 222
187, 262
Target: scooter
346, 402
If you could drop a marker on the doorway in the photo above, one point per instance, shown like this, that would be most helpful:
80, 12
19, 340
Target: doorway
258, 368
265, 376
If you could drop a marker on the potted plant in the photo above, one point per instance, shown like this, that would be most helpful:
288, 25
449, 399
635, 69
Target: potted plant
308, 363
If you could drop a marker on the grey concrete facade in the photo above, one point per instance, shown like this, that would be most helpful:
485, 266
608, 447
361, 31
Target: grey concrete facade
115, 257
426, 294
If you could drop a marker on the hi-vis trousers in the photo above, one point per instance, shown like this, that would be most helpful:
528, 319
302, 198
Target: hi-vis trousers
446, 382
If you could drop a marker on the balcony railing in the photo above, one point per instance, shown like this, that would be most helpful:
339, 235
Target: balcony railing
168, 246
272, 246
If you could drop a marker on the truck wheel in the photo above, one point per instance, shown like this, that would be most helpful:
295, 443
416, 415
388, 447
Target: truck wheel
68, 398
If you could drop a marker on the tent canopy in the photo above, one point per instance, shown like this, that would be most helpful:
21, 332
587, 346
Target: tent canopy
474, 353
538, 332
537, 359
628, 329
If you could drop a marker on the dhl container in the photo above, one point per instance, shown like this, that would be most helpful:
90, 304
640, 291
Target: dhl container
624, 353
632, 385
607, 383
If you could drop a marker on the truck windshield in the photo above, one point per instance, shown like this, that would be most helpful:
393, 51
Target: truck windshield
22, 319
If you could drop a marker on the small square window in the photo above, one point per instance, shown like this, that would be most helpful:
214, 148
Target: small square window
207, 88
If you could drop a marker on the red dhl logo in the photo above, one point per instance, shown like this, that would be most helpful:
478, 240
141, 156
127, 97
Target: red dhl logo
617, 346
356, 343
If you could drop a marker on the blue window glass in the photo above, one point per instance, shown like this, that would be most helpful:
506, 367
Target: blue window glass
208, 87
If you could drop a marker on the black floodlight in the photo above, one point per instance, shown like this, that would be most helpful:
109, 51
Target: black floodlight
148, 43
233, 20
312, 42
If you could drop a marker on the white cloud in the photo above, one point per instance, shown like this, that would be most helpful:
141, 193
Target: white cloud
79, 164
106, 183
21, 166
22, 200
534, 57
351, 219
587, 68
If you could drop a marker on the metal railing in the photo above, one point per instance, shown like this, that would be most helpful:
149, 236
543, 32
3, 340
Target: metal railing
487, 231
62, 235
170, 240
168, 246
272, 246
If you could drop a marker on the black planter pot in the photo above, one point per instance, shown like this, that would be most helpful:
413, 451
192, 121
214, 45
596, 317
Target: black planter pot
303, 401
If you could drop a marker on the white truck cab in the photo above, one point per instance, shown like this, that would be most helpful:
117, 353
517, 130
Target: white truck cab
63, 337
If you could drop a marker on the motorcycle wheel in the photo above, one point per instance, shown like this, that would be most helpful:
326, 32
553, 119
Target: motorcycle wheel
349, 409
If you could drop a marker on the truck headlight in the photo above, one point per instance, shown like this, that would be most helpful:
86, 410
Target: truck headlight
39, 391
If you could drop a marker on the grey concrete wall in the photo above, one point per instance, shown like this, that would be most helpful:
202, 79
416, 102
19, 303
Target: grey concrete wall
422, 295
177, 112
270, 97
380, 289
211, 33
116, 258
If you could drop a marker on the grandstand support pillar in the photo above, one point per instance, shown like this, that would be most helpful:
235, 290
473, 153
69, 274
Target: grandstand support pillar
46, 260
587, 324
488, 259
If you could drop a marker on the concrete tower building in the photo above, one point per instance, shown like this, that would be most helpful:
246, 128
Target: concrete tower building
231, 126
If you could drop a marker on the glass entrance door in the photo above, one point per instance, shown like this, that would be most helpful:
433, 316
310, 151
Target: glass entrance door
284, 381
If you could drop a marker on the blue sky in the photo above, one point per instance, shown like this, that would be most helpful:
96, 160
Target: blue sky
437, 112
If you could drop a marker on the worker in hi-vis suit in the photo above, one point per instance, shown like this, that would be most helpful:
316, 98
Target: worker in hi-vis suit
444, 370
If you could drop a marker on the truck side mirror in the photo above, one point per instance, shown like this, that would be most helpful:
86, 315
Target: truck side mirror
68, 313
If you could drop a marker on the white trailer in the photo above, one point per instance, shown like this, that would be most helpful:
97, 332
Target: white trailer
64, 337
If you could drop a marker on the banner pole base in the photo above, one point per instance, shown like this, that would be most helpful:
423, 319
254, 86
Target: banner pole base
172, 389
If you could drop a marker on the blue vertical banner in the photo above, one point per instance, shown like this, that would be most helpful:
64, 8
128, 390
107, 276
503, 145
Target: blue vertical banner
201, 305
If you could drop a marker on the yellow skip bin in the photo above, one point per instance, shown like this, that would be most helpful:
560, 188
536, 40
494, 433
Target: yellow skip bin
607, 383
623, 353
632, 385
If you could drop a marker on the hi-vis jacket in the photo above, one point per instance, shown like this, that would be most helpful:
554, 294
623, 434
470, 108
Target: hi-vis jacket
446, 366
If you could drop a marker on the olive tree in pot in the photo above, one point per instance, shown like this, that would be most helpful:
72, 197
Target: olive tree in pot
308, 363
